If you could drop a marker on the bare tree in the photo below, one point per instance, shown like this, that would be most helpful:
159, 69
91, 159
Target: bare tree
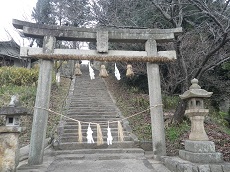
203, 44
201, 48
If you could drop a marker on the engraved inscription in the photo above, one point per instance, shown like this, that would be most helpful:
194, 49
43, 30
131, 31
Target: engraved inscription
102, 41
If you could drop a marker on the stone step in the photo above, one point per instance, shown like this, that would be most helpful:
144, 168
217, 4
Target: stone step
93, 120
90, 91
100, 106
91, 117
84, 130
75, 139
76, 145
103, 156
100, 97
90, 94
95, 90
113, 107
92, 105
100, 151
101, 100
101, 122
92, 113
85, 105
82, 115
74, 133
70, 124
91, 110
74, 128
92, 102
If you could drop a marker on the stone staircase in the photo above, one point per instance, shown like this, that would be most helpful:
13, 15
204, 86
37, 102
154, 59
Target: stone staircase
91, 102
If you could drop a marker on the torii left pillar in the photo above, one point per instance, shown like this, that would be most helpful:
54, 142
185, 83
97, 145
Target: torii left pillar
40, 116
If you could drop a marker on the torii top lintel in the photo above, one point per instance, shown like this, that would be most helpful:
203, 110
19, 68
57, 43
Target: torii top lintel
68, 33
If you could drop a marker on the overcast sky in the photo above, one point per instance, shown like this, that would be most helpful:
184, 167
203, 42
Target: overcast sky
14, 9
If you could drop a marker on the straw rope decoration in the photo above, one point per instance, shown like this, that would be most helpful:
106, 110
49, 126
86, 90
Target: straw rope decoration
99, 131
79, 132
99, 135
120, 132
99, 57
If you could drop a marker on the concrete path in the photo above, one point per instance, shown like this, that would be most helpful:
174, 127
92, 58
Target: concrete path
54, 162
129, 165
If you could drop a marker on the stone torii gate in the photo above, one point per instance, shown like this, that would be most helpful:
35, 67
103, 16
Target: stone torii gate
51, 33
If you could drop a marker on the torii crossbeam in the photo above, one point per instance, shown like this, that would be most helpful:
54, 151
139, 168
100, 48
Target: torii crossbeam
51, 33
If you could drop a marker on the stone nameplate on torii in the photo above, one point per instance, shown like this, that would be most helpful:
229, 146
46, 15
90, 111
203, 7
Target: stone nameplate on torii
102, 41
51, 33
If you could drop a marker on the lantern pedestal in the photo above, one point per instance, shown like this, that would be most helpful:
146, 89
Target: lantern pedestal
197, 124
200, 152
9, 148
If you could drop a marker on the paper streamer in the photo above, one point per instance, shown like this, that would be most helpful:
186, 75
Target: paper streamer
79, 132
89, 135
91, 72
117, 73
109, 136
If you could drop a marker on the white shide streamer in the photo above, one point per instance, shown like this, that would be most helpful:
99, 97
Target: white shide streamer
109, 136
89, 135
91, 72
117, 73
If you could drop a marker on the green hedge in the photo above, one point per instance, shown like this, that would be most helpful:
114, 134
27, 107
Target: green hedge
18, 76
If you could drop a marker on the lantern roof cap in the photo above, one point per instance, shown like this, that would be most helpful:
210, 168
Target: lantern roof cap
14, 111
195, 91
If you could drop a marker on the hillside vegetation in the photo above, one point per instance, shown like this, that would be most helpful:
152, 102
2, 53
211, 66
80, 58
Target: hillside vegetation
131, 100
23, 82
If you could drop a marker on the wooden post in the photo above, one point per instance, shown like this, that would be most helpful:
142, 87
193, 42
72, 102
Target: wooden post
40, 116
156, 111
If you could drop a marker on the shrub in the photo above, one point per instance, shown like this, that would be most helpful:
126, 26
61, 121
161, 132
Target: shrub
18, 76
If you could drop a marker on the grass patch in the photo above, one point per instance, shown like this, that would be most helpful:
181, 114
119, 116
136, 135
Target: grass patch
174, 131
170, 102
219, 118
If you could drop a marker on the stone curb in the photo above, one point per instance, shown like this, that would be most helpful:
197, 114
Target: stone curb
24, 151
175, 164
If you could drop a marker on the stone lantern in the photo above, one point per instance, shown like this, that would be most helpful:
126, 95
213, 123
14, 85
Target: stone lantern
9, 134
196, 111
198, 148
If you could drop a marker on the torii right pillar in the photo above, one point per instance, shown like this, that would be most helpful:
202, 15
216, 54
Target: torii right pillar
156, 107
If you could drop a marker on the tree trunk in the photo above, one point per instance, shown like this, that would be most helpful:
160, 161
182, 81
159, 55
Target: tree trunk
181, 106
180, 110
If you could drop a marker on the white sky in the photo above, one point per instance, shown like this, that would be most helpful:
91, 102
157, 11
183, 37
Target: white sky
14, 9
